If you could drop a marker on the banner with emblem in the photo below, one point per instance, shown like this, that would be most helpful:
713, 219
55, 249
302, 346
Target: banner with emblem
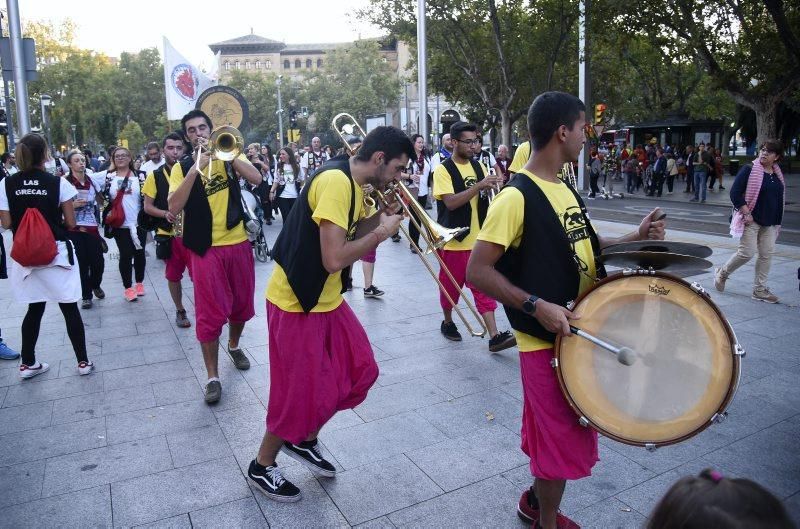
183, 82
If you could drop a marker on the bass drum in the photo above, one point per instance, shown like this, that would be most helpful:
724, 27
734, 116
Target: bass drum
686, 368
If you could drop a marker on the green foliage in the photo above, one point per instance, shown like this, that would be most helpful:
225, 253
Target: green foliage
260, 92
132, 132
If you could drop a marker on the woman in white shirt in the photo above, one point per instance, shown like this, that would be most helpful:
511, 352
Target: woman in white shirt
417, 179
123, 178
287, 182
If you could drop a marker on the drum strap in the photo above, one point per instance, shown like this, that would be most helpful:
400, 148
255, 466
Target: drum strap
582, 267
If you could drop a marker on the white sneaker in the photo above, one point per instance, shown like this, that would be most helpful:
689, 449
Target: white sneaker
719, 279
32, 371
84, 368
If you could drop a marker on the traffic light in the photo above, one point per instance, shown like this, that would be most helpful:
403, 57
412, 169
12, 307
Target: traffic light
599, 113
293, 118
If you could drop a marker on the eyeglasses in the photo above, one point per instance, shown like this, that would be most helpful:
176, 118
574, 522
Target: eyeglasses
765, 150
475, 141
121, 156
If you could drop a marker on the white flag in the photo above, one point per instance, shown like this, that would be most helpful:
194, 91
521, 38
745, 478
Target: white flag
183, 82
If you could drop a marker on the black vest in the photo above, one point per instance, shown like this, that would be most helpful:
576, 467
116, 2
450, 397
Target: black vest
544, 264
461, 217
197, 219
35, 189
298, 249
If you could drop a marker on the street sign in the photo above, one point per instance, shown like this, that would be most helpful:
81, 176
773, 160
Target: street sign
28, 58
598, 130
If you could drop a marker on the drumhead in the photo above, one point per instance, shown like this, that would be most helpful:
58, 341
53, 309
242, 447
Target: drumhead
685, 371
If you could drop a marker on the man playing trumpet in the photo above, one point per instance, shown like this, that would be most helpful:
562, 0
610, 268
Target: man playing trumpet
320, 358
223, 271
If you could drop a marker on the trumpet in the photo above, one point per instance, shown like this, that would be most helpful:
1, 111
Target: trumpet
568, 175
434, 234
226, 143
490, 193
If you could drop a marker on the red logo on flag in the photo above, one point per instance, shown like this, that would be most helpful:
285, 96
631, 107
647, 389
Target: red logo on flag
185, 81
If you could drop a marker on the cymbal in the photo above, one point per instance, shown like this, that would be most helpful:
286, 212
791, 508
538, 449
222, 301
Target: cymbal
683, 248
668, 262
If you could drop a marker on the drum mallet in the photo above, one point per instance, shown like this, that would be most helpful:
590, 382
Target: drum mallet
625, 355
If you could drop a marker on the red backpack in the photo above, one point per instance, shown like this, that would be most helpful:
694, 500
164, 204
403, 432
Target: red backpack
34, 244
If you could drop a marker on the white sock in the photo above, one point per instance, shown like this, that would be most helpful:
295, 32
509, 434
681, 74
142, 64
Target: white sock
210, 380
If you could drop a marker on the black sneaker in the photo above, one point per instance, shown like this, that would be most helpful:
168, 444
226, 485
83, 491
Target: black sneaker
98, 293
373, 292
271, 482
213, 392
450, 331
240, 360
396, 237
501, 341
86, 304
309, 454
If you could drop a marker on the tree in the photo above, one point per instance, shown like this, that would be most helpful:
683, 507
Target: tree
140, 78
132, 133
750, 48
260, 93
481, 54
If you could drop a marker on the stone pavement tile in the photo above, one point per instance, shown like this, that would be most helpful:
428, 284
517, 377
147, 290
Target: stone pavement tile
82, 509
105, 465
748, 415
411, 367
513, 388
243, 426
239, 513
780, 389
139, 341
792, 505
474, 412
21, 483
52, 338
768, 326
190, 447
378, 523
488, 503
398, 398
158, 420
474, 378
769, 457
381, 439
316, 509
235, 393
97, 405
98, 333
106, 362
458, 462
374, 490
3, 392
160, 325
162, 353
644, 496
257, 376
147, 374
785, 342
342, 419
27, 417
51, 441
402, 346
58, 388
609, 514
157, 496
174, 522
173, 391
124, 315
258, 355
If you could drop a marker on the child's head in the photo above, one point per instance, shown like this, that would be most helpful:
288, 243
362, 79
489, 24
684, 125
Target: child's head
711, 501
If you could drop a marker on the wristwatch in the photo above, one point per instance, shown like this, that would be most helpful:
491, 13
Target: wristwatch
529, 305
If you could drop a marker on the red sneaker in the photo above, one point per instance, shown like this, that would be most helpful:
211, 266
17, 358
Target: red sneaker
139, 289
528, 512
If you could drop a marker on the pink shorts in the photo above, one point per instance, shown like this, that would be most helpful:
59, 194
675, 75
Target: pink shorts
456, 261
369, 257
319, 363
179, 260
558, 446
224, 284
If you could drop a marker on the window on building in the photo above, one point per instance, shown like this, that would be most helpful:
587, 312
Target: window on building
319, 63
237, 65
258, 65
286, 64
246, 65
297, 63
268, 64
308, 63
227, 65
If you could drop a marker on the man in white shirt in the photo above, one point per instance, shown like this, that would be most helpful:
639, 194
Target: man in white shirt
442, 154
313, 159
154, 158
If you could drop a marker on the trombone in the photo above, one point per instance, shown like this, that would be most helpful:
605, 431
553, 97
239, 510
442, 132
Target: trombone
568, 175
434, 234
226, 143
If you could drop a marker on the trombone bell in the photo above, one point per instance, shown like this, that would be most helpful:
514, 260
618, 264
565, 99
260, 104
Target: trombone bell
226, 143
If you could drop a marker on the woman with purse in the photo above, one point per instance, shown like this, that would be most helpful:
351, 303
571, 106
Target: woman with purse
417, 177
287, 182
86, 235
123, 180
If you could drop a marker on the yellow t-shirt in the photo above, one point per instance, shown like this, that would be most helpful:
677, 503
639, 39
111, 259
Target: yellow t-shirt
217, 193
443, 185
329, 199
520, 157
149, 189
504, 226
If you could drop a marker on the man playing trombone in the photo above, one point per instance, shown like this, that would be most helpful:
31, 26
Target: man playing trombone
458, 185
223, 272
320, 357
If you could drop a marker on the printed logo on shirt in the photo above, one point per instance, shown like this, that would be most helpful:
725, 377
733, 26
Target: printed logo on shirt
128, 189
470, 181
574, 225
216, 184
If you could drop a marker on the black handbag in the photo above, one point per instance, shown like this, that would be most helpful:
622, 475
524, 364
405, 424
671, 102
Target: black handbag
163, 247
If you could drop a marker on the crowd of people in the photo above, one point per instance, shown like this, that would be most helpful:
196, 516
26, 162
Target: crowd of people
509, 250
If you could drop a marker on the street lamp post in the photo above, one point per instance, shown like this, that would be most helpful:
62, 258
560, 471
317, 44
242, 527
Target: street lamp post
46, 101
280, 112
74, 137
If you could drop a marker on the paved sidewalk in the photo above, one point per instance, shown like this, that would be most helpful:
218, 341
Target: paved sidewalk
436, 443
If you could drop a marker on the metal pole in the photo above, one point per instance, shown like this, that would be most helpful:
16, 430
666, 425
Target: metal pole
20, 86
280, 113
408, 109
422, 71
7, 106
438, 123
582, 79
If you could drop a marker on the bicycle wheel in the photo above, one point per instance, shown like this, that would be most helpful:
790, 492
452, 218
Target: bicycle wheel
261, 248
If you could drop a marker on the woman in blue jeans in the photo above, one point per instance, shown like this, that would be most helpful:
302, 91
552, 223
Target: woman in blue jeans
701, 167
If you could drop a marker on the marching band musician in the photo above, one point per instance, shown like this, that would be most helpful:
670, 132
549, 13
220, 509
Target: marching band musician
320, 357
457, 186
223, 270
538, 226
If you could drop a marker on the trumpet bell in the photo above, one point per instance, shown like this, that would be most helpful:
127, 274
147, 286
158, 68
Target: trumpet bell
226, 143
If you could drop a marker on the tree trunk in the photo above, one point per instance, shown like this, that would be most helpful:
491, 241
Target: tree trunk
766, 119
505, 127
